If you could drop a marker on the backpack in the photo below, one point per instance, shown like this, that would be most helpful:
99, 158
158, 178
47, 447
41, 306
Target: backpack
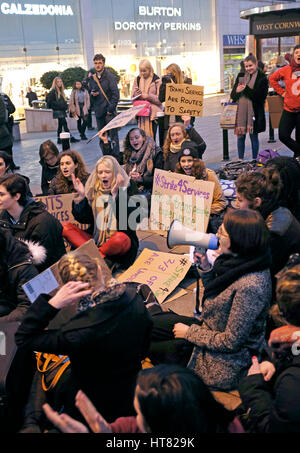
232, 170
265, 155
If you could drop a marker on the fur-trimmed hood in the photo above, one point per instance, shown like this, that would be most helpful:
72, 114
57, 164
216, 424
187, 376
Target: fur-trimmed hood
37, 251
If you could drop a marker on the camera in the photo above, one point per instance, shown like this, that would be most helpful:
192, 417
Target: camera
168, 78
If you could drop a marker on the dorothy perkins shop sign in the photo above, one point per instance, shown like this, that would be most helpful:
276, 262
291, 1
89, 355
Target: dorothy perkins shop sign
34, 9
172, 15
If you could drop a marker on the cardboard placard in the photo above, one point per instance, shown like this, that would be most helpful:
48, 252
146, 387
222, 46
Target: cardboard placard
60, 206
275, 104
180, 197
120, 120
184, 99
49, 281
161, 271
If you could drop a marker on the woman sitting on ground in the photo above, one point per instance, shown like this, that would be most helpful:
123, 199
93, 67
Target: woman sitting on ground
99, 204
168, 399
237, 295
141, 156
49, 162
189, 164
261, 191
106, 341
176, 136
70, 163
28, 219
273, 402
17, 267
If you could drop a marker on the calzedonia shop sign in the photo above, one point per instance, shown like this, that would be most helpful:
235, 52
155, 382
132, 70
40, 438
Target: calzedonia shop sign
34, 9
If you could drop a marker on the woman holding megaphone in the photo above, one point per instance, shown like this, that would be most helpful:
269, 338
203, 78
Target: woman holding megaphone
237, 294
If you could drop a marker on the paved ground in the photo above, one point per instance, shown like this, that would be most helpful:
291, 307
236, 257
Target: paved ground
26, 155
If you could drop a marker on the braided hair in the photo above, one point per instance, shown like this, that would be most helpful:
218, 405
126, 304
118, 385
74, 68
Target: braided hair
79, 268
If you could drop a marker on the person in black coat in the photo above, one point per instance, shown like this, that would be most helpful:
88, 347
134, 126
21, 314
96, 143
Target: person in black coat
106, 341
6, 126
103, 204
250, 91
104, 98
49, 162
29, 220
272, 401
17, 266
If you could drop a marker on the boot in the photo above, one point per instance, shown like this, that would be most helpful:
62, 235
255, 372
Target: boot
118, 244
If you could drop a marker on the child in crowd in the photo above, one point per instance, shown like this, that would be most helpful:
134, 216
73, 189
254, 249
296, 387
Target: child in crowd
49, 162
70, 163
272, 401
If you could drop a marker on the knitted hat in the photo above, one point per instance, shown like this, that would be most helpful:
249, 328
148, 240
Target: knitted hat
188, 148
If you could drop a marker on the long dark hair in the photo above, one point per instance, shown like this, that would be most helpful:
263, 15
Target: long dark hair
80, 172
173, 399
198, 169
47, 147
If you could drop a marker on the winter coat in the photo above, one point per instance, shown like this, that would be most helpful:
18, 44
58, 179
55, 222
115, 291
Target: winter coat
37, 225
258, 97
110, 88
83, 213
6, 139
48, 173
16, 268
232, 330
152, 96
105, 344
274, 405
284, 237
74, 103
192, 134
59, 106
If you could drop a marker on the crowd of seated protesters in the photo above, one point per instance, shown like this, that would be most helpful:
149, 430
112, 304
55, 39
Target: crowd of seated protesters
229, 347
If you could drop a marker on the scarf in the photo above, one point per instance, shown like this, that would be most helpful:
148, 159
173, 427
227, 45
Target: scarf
245, 112
176, 148
102, 202
139, 158
229, 268
144, 121
113, 290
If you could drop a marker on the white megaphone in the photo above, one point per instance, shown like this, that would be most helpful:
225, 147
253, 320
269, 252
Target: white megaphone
180, 235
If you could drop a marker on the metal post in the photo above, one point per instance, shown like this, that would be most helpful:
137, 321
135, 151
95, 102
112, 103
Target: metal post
271, 132
225, 145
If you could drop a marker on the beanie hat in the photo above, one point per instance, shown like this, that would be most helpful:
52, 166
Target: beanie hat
188, 148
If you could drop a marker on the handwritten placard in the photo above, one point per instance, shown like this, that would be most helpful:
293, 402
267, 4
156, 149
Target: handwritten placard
184, 99
180, 197
60, 206
161, 271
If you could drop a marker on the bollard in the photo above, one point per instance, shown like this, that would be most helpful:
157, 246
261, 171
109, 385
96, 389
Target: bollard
225, 145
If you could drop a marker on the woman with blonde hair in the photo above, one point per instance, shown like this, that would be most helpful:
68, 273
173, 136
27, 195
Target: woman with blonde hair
56, 100
98, 204
146, 88
70, 163
106, 340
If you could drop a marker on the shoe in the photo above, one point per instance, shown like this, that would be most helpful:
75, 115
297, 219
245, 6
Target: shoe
59, 141
91, 128
83, 137
74, 140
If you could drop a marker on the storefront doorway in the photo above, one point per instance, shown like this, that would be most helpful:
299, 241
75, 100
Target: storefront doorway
270, 48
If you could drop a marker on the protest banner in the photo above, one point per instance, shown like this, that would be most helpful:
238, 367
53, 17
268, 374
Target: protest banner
161, 271
180, 197
184, 99
49, 281
120, 120
60, 206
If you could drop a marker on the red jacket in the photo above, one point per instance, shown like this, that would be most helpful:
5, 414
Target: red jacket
292, 87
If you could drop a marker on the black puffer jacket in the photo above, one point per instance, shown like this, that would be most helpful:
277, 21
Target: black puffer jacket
56, 104
16, 268
37, 225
